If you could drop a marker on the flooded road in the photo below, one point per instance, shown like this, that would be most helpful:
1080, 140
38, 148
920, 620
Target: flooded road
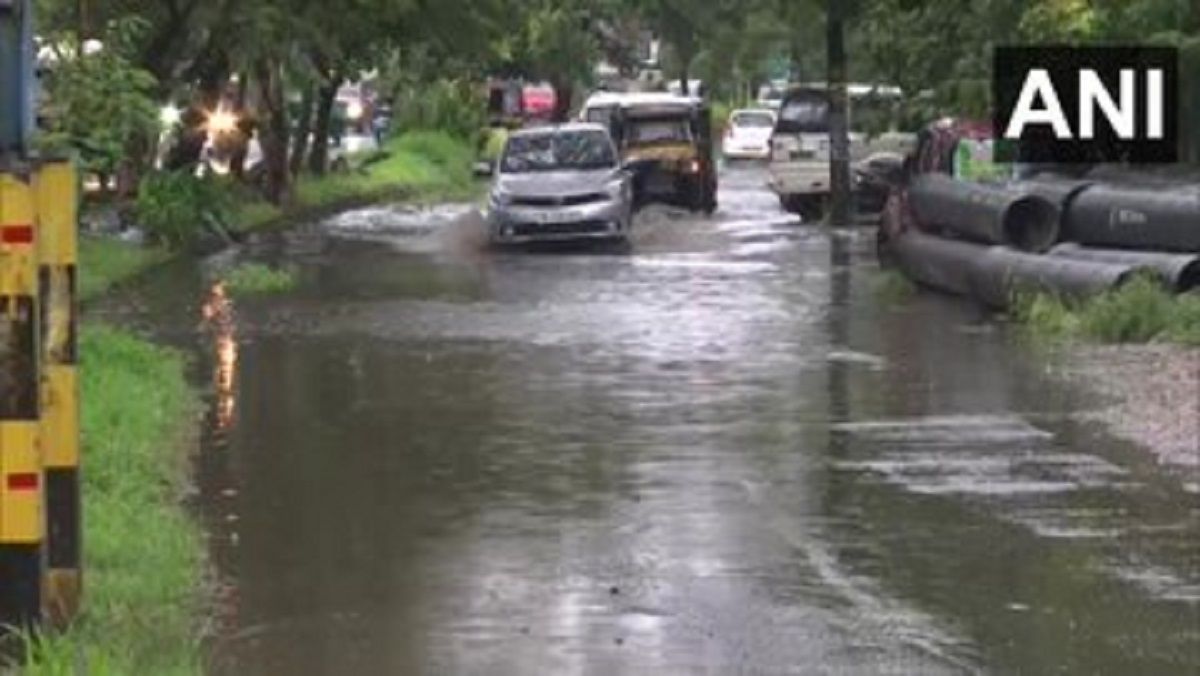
721, 453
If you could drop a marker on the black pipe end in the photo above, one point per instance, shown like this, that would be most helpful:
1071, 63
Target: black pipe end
1189, 277
1031, 223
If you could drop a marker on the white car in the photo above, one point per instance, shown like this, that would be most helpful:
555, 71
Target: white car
748, 134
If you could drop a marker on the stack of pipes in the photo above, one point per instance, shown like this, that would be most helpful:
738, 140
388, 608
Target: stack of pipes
1066, 237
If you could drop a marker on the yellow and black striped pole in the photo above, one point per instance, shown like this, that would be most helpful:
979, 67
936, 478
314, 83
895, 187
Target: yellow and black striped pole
56, 203
21, 499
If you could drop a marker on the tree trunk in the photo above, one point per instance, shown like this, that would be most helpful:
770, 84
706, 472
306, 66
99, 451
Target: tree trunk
246, 126
841, 210
302, 131
686, 56
564, 92
318, 159
273, 131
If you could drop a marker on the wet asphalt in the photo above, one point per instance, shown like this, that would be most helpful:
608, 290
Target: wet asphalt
722, 452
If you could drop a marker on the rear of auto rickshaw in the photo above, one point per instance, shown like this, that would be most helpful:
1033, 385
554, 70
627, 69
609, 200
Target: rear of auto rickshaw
668, 143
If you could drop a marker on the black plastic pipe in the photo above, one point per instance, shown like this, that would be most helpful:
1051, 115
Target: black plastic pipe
995, 274
1179, 272
1164, 219
1002, 273
985, 213
936, 262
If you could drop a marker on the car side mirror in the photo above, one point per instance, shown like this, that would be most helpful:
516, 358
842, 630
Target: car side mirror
485, 169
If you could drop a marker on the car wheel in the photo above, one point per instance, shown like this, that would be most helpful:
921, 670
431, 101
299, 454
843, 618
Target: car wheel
811, 208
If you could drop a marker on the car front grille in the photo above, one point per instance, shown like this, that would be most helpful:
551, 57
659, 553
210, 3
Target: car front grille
572, 228
559, 200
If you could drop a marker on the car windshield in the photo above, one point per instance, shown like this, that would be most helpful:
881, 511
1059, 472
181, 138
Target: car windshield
557, 151
659, 130
754, 120
804, 113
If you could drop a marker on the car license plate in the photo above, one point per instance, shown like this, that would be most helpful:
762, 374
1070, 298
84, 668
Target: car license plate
559, 216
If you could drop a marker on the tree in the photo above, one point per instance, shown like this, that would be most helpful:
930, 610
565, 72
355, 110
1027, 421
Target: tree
841, 210
687, 25
101, 104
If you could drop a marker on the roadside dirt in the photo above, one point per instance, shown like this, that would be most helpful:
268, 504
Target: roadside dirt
1151, 396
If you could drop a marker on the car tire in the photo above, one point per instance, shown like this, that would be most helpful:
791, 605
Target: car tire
812, 208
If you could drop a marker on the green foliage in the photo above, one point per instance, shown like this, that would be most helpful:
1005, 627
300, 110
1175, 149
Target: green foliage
256, 279
1061, 21
454, 106
555, 43
1139, 312
894, 287
100, 105
417, 165
492, 144
177, 208
143, 582
107, 262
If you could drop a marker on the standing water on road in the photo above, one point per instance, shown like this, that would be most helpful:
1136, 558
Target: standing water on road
721, 453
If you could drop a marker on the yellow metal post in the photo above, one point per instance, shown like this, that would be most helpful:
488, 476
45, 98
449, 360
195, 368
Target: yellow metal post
55, 187
21, 515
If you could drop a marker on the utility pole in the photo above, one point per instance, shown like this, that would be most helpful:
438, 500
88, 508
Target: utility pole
40, 510
85, 19
841, 208
16, 77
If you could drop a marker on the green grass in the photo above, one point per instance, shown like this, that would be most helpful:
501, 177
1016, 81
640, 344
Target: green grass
104, 263
252, 279
893, 287
143, 553
420, 165
1139, 312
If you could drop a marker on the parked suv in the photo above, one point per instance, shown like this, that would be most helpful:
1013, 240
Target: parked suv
800, 147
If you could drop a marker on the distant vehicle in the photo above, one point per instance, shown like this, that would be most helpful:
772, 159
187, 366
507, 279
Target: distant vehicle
667, 140
770, 97
748, 134
560, 183
695, 88
539, 101
800, 146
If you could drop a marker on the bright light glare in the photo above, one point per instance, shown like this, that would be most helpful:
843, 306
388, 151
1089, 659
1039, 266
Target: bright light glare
170, 115
354, 110
92, 46
222, 122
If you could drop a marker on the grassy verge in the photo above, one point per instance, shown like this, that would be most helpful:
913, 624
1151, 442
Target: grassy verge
104, 263
1139, 312
254, 279
423, 165
892, 287
144, 554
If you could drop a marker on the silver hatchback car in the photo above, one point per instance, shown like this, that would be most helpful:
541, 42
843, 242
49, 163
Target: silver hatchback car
560, 183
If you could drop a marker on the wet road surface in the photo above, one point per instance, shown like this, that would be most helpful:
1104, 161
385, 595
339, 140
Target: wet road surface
721, 453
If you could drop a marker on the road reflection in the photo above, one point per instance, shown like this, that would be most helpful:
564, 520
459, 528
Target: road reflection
220, 320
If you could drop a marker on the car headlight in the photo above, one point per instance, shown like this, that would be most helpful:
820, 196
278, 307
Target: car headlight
500, 198
616, 190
